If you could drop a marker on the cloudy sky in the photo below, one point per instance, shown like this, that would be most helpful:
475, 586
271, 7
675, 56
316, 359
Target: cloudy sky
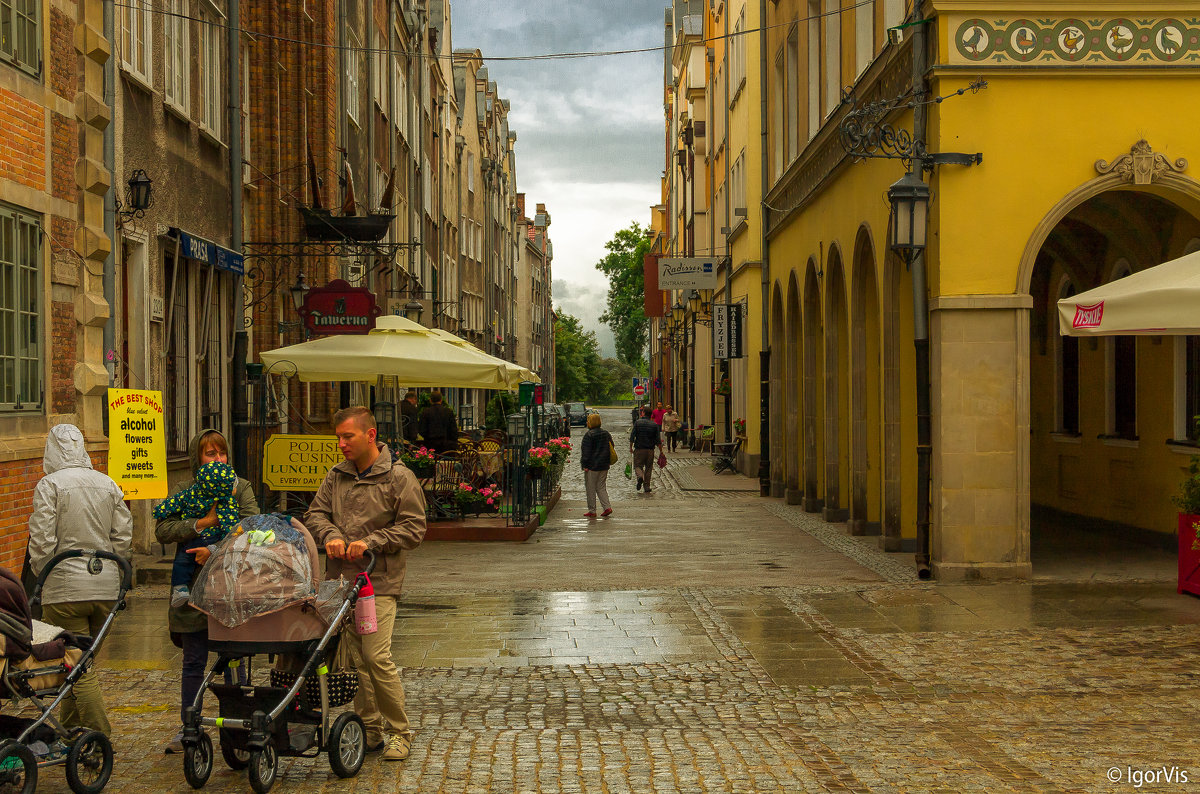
589, 130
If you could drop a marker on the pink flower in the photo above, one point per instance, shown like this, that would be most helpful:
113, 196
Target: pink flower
490, 501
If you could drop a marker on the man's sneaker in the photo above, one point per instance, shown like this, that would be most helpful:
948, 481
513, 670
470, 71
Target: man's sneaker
397, 748
180, 594
639, 484
589, 514
607, 512
175, 745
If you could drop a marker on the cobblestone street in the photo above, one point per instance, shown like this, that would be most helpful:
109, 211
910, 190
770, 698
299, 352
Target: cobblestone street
716, 641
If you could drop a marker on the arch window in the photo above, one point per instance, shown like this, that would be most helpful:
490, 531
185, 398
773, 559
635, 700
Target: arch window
1067, 369
1121, 357
1187, 377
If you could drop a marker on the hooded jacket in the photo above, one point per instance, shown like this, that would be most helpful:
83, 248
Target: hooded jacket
384, 507
594, 452
176, 529
76, 507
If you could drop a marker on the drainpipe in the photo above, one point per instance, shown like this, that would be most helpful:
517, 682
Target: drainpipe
239, 405
921, 323
764, 355
110, 208
729, 225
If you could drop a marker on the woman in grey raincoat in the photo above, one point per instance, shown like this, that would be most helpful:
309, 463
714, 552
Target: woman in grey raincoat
189, 628
77, 507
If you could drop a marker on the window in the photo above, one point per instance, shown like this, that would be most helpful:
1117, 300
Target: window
893, 13
21, 34
737, 57
1068, 375
21, 385
833, 56
814, 68
352, 65
177, 48
864, 37
246, 113
779, 99
399, 97
136, 39
471, 172
792, 94
1122, 377
211, 78
1191, 388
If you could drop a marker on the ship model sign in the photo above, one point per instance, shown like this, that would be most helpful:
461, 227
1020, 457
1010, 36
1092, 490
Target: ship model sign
339, 307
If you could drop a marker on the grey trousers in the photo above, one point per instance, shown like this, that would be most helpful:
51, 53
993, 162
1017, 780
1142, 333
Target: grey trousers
643, 465
595, 483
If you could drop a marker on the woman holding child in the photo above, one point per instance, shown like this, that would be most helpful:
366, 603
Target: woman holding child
195, 517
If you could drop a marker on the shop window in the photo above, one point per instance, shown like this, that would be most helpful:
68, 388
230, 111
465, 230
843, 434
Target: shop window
1068, 375
21, 381
21, 34
1122, 378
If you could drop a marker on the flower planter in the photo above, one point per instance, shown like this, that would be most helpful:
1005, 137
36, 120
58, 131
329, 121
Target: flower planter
423, 471
536, 474
1189, 554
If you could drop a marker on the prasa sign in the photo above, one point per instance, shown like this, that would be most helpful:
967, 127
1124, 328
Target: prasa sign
339, 309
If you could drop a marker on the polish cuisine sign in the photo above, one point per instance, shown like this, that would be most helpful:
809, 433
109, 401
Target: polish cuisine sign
299, 462
339, 309
137, 443
687, 273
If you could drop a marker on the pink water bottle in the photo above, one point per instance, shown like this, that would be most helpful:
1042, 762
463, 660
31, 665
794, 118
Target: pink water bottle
364, 610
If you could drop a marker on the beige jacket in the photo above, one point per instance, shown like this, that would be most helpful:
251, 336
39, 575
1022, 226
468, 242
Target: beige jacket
385, 507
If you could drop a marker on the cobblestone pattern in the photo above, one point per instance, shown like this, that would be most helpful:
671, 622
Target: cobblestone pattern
833, 537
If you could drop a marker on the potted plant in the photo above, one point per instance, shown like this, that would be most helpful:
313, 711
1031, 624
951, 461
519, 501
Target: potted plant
468, 498
723, 389
1188, 502
559, 448
491, 498
422, 462
539, 459
739, 427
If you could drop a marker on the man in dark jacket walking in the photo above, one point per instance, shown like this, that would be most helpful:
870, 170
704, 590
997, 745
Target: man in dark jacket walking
643, 438
439, 428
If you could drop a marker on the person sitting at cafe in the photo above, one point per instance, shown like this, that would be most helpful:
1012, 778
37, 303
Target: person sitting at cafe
438, 426
409, 416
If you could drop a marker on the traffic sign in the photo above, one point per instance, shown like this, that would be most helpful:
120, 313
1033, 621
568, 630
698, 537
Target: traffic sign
639, 390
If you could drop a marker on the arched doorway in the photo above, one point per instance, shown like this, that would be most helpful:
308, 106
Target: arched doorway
866, 487
778, 408
814, 391
899, 405
791, 427
837, 391
1100, 475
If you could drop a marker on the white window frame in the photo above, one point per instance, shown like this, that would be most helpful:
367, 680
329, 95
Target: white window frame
23, 52
832, 65
814, 68
792, 93
864, 37
137, 41
470, 172
212, 111
353, 63
737, 58
21, 251
177, 49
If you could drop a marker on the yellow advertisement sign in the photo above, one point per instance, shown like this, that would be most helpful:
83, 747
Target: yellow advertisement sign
137, 443
298, 462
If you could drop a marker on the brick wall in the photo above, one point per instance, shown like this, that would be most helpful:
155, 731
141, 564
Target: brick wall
23, 130
18, 478
62, 47
62, 334
64, 151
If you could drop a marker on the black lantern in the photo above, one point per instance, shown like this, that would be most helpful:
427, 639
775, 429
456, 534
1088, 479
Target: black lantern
139, 191
909, 198
413, 309
518, 429
299, 290
693, 302
677, 311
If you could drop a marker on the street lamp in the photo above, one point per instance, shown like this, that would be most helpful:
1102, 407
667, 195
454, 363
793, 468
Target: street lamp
139, 191
299, 290
909, 198
413, 309
694, 302
518, 429
677, 311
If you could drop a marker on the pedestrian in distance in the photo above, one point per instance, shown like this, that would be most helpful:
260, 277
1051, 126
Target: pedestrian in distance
657, 415
189, 626
438, 427
595, 455
77, 507
643, 438
670, 425
409, 416
368, 503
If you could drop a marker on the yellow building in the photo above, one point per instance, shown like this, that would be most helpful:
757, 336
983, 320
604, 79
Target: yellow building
1087, 144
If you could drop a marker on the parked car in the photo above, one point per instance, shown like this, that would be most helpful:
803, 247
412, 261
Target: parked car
577, 413
558, 414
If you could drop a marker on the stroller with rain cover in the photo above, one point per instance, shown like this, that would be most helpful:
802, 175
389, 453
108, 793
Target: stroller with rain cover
263, 594
42, 665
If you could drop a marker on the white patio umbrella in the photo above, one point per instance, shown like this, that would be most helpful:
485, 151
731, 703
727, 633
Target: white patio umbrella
396, 347
1161, 300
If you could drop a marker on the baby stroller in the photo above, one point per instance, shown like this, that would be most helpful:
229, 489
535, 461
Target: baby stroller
264, 596
45, 677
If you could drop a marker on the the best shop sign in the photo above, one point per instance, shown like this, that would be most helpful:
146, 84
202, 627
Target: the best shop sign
137, 445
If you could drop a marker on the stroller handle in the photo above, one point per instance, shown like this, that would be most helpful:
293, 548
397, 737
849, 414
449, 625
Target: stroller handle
122, 563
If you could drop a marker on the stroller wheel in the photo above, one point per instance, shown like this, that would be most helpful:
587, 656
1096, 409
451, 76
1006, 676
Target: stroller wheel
198, 761
347, 745
264, 764
89, 763
18, 769
235, 758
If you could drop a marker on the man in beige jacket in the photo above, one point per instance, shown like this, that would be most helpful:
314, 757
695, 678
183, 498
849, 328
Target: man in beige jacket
368, 503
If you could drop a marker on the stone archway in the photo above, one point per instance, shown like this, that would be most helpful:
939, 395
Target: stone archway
791, 426
778, 408
866, 481
814, 392
837, 390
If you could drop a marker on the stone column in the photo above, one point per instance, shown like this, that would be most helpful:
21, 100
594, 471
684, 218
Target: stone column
91, 243
980, 498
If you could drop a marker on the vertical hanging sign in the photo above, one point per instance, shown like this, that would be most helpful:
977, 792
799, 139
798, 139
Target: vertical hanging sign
727, 330
137, 443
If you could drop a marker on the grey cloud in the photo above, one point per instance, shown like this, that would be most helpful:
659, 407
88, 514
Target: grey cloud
523, 28
587, 302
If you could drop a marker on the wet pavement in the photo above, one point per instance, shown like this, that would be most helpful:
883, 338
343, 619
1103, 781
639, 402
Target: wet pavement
715, 641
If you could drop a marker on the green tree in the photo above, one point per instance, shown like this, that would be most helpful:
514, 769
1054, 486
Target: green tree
576, 360
626, 314
618, 380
